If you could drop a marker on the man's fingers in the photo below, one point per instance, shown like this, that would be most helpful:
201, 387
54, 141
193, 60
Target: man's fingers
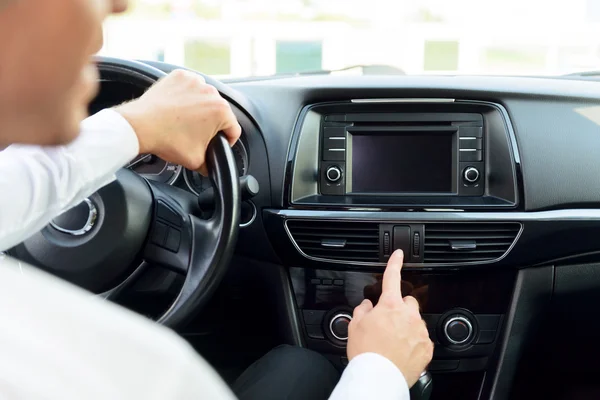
412, 303
203, 170
390, 287
233, 133
362, 309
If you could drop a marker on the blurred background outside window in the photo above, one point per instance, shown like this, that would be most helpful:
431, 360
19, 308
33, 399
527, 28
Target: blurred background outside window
245, 38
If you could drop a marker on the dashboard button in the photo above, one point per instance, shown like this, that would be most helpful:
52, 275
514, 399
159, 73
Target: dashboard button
470, 131
443, 365
333, 174
458, 330
315, 331
471, 175
470, 155
339, 326
488, 322
313, 317
486, 337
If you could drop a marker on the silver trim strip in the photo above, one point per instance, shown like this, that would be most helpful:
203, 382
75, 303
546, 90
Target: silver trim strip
575, 214
337, 138
407, 100
89, 223
468, 150
467, 138
413, 219
336, 149
254, 213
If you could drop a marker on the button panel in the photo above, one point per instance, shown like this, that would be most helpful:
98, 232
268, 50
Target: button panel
333, 144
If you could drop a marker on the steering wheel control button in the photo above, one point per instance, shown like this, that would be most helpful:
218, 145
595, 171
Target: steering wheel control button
173, 240
471, 175
338, 326
159, 234
458, 330
165, 213
78, 220
334, 174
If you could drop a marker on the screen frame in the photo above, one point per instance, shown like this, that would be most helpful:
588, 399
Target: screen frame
403, 130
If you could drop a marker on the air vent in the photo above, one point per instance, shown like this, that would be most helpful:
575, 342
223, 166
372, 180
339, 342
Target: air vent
343, 241
468, 242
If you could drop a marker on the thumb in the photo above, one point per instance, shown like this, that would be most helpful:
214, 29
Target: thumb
361, 310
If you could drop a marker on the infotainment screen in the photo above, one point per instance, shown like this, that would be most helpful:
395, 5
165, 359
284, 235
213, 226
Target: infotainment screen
401, 162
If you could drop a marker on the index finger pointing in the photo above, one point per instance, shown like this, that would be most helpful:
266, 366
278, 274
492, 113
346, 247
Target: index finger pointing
392, 275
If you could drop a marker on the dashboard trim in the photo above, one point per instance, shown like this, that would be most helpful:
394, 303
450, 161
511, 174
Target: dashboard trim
400, 221
361, 215
402, 100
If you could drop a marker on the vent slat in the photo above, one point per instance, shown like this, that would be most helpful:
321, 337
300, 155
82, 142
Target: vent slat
317, 242
361, 239
338, 235
471, 236
464, 253
446, 243
492, 241
336, 228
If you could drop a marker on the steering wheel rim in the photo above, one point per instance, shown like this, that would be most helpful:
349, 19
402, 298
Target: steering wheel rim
214, 239
144, 209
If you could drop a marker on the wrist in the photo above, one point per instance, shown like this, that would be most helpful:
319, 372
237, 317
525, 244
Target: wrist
137, 122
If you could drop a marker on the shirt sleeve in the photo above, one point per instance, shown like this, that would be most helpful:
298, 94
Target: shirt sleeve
371, 376
60, 342
37, 183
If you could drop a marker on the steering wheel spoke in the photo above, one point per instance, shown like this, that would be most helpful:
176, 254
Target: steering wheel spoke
170, 239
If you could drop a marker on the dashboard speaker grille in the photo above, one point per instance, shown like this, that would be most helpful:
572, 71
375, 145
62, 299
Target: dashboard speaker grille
468, 242
337, 240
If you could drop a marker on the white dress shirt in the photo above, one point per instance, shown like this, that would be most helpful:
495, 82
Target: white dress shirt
58, 342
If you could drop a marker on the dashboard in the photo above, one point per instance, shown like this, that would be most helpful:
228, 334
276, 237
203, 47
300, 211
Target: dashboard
490, 185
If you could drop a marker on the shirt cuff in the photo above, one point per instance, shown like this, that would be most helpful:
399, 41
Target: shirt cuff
371, 376
110, 122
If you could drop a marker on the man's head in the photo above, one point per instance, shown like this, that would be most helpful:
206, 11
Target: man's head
46, 79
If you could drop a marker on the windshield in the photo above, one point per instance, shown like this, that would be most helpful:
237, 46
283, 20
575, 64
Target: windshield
246, 38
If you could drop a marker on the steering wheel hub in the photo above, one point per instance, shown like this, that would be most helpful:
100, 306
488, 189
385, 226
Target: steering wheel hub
95, 244
77, 221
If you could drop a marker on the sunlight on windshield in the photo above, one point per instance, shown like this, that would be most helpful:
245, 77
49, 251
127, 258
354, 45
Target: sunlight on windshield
242, 38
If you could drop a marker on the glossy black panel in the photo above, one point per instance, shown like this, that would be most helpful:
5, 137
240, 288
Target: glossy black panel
464, 386
481, 293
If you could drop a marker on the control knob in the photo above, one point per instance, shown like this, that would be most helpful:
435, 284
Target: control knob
338, 326
333, 174
471, 175
458, 330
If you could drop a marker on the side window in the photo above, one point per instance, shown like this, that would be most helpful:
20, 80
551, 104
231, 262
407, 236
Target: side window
298, 56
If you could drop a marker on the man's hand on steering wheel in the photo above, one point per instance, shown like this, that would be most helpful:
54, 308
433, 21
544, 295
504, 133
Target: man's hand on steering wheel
177, 118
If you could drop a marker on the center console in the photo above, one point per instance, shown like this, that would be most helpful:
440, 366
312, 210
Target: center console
437, 178
464, 312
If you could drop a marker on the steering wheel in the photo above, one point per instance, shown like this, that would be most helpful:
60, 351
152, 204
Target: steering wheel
104, 243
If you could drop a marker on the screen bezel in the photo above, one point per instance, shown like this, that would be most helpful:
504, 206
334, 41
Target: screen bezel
403, 130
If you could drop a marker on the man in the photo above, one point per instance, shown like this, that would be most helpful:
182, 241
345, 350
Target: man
57, 341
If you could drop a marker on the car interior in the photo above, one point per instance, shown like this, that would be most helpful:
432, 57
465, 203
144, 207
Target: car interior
490, 186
